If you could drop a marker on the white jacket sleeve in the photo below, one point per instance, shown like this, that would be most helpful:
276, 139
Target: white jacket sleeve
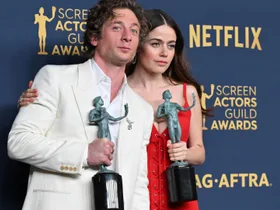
27, 141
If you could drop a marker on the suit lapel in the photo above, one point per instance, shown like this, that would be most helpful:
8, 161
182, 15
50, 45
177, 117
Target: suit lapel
125, 136
84, 92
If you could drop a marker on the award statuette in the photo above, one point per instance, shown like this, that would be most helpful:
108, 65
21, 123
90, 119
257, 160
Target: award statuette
180, 175
107, 184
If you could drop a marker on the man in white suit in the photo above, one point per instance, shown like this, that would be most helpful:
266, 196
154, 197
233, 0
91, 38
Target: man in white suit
53, 134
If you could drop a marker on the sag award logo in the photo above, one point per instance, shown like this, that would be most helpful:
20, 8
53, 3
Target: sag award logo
66, 23
205, 96
41, 20
235, 107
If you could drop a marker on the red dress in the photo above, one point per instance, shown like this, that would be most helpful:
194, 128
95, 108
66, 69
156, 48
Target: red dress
158, 161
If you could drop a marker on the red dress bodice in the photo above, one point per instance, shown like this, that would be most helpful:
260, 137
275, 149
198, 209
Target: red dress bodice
158, 161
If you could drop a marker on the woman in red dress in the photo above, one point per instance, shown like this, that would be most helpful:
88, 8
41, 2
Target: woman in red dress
160, 65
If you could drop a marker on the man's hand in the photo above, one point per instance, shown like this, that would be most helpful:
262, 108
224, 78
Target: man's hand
100, 152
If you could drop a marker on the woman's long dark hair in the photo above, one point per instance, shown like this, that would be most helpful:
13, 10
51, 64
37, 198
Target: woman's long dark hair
179, 70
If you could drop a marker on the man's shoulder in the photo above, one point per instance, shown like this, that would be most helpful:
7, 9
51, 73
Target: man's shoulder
51, 68
59, 74
60, 69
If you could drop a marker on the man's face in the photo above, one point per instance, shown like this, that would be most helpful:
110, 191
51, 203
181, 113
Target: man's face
119, 38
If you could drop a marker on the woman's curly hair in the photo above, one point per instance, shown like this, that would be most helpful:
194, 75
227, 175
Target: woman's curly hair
103, 11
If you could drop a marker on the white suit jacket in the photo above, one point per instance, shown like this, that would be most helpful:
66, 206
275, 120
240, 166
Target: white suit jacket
53, 134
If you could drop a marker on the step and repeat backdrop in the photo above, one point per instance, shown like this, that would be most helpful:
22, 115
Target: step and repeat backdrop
233, 48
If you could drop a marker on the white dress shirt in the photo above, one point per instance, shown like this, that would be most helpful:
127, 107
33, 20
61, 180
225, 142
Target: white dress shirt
115, 107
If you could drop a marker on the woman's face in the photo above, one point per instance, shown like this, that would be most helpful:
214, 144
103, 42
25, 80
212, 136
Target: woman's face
157, 52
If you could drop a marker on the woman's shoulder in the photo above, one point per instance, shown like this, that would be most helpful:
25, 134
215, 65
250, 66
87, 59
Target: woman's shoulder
191, 89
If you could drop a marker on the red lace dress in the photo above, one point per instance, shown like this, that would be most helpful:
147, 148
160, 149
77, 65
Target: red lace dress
158, 161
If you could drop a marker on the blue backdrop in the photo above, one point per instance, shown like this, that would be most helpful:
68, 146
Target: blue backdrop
233, 48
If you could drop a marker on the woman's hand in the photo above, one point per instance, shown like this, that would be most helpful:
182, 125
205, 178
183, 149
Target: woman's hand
28, 96
177, 151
